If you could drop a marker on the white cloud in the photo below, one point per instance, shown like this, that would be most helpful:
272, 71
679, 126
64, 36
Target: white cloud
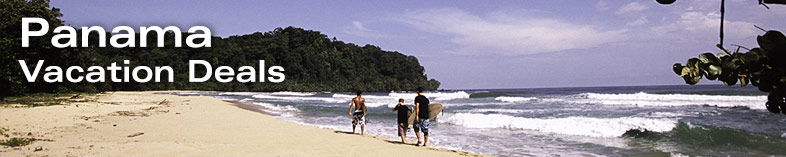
359, 26
506, 33
632, 7
703, 23
602, 5
640, 21
358, 29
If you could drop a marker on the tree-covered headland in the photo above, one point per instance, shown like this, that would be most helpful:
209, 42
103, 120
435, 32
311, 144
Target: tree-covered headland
313, 61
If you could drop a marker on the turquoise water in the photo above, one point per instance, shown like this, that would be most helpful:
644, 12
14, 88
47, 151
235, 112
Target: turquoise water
709, 120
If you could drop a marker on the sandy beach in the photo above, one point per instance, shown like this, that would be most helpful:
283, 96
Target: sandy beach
151, 124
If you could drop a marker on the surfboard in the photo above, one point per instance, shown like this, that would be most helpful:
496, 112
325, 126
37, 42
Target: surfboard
412, 115
434, 110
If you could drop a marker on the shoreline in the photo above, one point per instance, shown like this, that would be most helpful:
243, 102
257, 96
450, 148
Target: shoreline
251, 107
159, 123
262, 110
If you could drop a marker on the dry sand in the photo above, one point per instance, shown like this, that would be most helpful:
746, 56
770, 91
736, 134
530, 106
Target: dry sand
180, 126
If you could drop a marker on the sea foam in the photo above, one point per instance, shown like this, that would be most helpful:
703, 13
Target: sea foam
514, 99
391, 99
581, 126
298, 98
435, 95
647, 99
282, 110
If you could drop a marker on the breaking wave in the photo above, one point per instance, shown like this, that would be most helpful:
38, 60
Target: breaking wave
646, 99
439, 96
278, 109
298, 98
391, 99
514, 99
581, 126
486, 94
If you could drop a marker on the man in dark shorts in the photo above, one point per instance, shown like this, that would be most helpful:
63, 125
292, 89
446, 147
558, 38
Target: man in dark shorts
421, 121
359, 114
403, 110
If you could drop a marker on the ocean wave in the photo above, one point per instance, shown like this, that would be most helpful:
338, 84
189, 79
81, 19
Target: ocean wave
581, 126
300, 98
514, 99
239, 93
191, 94
391, 99
371, 100
715, 136
478, 104
294, 93
283, 93
396, 96
486, 94
509, 111
367, 97
666, 114
439, 96
282, 110
378, 104
646, 99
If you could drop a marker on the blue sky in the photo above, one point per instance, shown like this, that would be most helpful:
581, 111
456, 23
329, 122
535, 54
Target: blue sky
481, 44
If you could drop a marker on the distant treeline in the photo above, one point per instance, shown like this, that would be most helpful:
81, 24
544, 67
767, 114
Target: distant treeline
313, 62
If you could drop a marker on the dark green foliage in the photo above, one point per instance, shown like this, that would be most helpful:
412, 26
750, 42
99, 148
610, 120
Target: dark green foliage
764, 67
46, 99
11, 13
17, 141
311, 60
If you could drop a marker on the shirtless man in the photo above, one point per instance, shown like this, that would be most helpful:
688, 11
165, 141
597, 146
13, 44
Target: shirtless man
359, 115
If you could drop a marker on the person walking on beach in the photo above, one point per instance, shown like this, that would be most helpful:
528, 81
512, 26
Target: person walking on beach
421, 121
403, 110
359, 115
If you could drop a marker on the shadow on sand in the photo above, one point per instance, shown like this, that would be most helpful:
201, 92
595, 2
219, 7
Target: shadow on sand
399, 142
343, 132
389, 141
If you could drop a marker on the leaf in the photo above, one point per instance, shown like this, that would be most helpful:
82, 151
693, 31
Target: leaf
685, 71
694, 65
722, 55
709, 58
677, 67
773, 43
750, 58
755, 81
729, 66
770, 40
712, 72
728, 80
765, 85
691, 80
